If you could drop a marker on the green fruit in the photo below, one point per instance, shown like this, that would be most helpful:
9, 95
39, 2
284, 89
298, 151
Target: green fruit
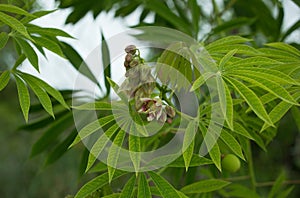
231, 163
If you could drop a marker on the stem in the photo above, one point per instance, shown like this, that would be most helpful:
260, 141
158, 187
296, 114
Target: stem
240, 178
250, 166
271, 183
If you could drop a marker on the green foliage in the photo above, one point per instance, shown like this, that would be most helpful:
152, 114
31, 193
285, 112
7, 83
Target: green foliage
255, 85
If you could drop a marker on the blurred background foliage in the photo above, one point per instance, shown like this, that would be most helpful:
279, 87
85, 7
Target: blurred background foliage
21, 176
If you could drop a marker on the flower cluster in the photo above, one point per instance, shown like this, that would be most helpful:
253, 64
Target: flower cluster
156, 110
139, 85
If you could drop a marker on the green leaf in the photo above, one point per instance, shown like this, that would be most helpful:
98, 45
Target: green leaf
164, 187
211, 145
91, 128
15, 10
29, 53
143, 187
232, 143
232, 24
277, 185
98, 105
42, 96
195, 11
229, 107
227, 41
252, 99
226, 58
280, 110
285, 193
50, 90
237, 190
49, 44
270, 74
189, 143
114, 195
204, 186
128, 188
51, 134
160, 8
201, 80
116, 89
4, 79
224, 100
114, 152
239, 129
100, 145
285, 47
14, 24
52, 32
134, 147
268, 85
3, 39
106, 63
77, 61
96, 184
24, 97
294, 27
60, 149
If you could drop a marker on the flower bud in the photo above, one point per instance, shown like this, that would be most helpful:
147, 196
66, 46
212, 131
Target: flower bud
170, 111
130, 49
134, 62
128, 58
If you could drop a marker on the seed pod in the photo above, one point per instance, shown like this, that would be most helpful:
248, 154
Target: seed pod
130, 49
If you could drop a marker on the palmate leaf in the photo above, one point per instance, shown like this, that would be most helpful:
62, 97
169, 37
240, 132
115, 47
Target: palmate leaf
201, 80
3, 39
238, 190
4, 79
226, 58
259, 61
196, 160
189, 143
91, 128
269, 86
270, 74
164, 187
52, 133
277, 186
24, 97
98, 105
285, 47
77, 61
134, 148
48, 44
128, 188
42, 96
14, 24
225, 101
280, 110
15, 10
106, 63
227, 41
143, 187
96, 184
252, 100
296, 114
29, 53
162, 10
52, 32
100, 145
232, 143
204, 186
211, 145
113, 153
60, 149
50, 90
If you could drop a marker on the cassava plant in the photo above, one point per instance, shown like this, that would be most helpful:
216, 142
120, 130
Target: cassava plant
192, 112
